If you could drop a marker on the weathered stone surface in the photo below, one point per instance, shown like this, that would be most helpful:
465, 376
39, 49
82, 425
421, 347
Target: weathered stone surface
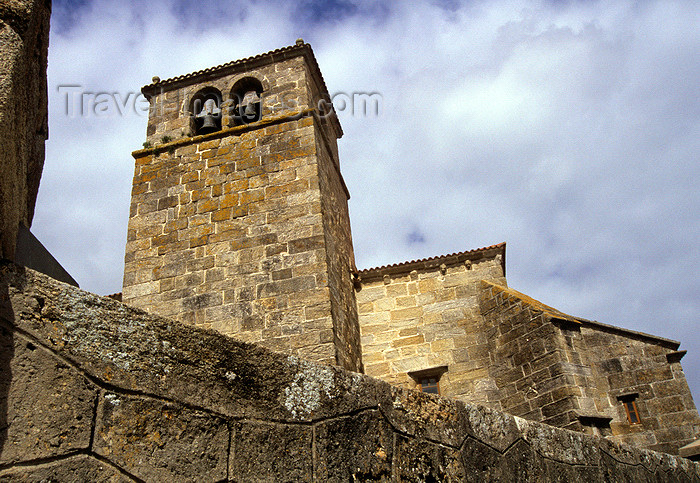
46, 406
419, 461
410, 410
129, 346
76, 468
180, 403
287, 453
495, 428
354, 448
24, 41
517, 463
565, 446
159, 441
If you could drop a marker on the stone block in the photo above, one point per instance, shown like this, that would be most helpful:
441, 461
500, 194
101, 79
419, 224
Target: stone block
158, 441
76, 468
288, 286
371, 293
306, 244
287, 454
355, 448
405, 341
483, 463
47, 406
406, 314
377, 369
420, 461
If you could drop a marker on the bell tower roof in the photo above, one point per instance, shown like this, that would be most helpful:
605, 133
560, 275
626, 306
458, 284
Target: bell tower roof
286, 82
300, 48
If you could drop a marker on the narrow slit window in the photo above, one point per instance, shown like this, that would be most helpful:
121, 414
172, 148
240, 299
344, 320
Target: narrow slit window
632, 413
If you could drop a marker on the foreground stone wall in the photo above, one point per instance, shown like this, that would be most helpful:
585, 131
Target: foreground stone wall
24, 42
93, 390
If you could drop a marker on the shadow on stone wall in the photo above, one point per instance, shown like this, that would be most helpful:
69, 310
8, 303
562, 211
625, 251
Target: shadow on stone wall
6, 353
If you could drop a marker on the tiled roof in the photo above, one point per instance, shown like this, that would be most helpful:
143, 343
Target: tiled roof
431, 262
274, 55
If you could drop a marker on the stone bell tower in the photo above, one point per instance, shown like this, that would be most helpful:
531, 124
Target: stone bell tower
239, 217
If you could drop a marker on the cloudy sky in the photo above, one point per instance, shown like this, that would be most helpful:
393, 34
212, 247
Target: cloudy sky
568, 129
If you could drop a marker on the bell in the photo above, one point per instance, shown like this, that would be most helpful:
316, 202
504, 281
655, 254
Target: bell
208, 116
208, 123
249, 110
250, 99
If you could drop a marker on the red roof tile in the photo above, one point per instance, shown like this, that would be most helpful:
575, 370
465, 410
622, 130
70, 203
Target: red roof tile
437, 260
300, 47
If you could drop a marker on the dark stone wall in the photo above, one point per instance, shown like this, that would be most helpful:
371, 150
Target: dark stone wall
340, 257
24, 42
94, 390
529, 360
575, 374
651, 372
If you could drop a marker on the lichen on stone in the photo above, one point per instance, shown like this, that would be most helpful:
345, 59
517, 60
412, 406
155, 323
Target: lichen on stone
303, 395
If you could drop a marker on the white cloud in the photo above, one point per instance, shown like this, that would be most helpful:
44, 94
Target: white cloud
571, 130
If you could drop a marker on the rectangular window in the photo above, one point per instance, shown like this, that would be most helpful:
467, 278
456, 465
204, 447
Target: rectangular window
428, 380
429, 384
632, 413
630, 405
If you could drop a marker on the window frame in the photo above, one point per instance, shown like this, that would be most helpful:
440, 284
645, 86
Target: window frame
629, 402
432, 373
423, 385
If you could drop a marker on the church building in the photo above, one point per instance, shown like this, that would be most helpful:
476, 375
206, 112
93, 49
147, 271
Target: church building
239, 223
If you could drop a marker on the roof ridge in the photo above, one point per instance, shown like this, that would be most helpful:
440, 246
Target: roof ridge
534, 303
431, 259
558, 314
300, 45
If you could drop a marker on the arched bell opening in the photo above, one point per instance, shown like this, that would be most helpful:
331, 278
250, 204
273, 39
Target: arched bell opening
205, 111
246, 101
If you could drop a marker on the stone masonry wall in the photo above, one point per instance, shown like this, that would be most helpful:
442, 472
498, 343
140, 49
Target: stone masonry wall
94, 390
625, 364
24, 42
529, 361
226, 233
425, 314
571, 373
340, 257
